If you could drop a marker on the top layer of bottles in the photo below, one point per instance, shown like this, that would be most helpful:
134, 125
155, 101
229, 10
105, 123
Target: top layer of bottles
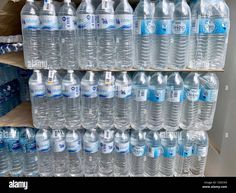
164, 35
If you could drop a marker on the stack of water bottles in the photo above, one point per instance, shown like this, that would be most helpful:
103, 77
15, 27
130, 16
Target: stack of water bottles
162, 36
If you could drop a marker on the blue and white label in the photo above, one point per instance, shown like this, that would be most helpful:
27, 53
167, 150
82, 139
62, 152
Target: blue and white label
195, 26
54, 90
37, 90
155, 95
145, 27
169, 152
59, 145
91, 147
214, 26
122, 147
192, 94
123, 91
208, 95
173, 95
154, 152
71, 91
163, 27
106, 91
86, 21
13, 145
49, 22
138, 151
43, 145
105, 21
124, 21
67, 23
200, 151
140, 95
30, 22
185, 151
106, 147
73, 145
28, 146
181, 27
89, 91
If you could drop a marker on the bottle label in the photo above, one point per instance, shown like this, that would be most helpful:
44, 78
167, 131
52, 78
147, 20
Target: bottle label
91, 147
181, 27
54, 90
140, 95
43, 145
169, 152
67, 23
59, 146
122, 147
214, 26
86, 21
163, 27
30, 22
175, 96
13, 145
195, 26
74, 146
105, 21
138, 151
145, 27
1, 144
200, 151
123, 91
49, 22
106, 147
192, 94
28, 146
185, 151
208, 95
106, 91
156, 96
154, 152
124, 21
89, 91
37, 90
71, 91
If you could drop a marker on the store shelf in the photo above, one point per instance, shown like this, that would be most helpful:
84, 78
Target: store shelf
20, 116
14, 59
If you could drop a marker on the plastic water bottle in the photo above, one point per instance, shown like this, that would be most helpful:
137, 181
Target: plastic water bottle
122, 111
67, 35
144, 28
172, 6
45, 154
90, 146
154, 153
138, 152
181, 28
208, 99
106, 139
105, 20
4, 158
174, 101
50, 35
162, 35
121, 153
55, 100
28, 144
71, 93
61, 161
38, 99
106, 95
169, 145
200, 151
139, 101
89, 100
184, 153
74, 148
15, 151
156, 101
218, 28
31, 33
191, 103
124, 35
86, 33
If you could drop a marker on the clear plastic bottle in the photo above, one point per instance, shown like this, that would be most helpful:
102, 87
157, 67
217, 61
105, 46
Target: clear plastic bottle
162, 37
31, 34
106, 95
121, 153
4, 157
55, 100
174, 101
122, 109
67, 36
191, 103
49, 35
105, 20
45, 154
86, 34
61, 161
154, 153
38, 99
139, 101
181, 28
124, 35
208, 100
74, 148
144, 28
106, 139
156, 101
28, 144
90, 146
71, 98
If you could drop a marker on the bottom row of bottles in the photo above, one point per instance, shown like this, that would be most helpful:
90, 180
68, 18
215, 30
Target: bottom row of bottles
96, 152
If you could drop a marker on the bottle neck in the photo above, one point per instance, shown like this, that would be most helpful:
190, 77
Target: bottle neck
47, 1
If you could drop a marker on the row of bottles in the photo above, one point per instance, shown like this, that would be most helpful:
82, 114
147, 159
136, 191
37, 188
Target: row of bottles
161, 36
31, 152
